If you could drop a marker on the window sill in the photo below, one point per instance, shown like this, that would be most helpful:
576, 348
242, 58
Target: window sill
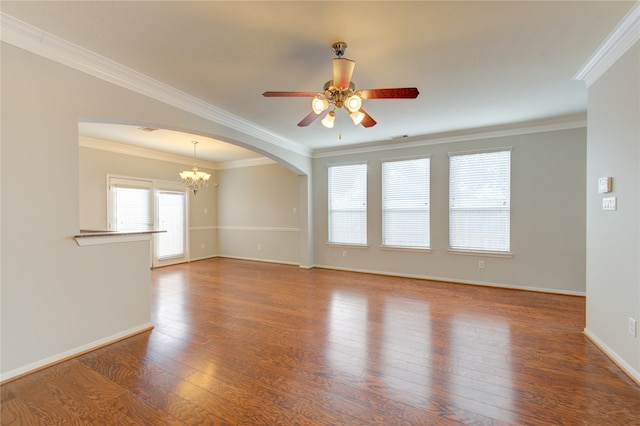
356, 246
399, 248
506, 255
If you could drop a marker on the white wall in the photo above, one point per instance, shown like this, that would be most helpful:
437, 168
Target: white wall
613, 237
95, 164
547, 216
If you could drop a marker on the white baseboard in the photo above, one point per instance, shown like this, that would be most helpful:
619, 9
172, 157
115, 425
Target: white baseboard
254, 259
55, 359
457, 281
195, 259
624, 366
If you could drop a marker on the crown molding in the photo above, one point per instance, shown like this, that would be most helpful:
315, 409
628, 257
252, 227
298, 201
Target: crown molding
621, 39
573, 121
42, 43
236, 164
136, 151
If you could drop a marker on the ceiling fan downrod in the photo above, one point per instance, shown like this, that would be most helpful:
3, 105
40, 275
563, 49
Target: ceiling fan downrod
339, 47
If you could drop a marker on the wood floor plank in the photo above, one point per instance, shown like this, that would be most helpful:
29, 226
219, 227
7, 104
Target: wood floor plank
240, 342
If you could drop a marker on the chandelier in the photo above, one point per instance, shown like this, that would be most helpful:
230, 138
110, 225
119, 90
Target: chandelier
193, 178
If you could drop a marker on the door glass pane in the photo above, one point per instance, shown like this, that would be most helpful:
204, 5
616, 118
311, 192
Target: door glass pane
171, 218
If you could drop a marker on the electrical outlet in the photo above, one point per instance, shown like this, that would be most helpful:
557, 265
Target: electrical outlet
259, 247
632, 327
481, 264
202, 245
344, 253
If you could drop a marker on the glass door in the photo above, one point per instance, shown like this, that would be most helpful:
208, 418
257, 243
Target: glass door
143, 205
171, 245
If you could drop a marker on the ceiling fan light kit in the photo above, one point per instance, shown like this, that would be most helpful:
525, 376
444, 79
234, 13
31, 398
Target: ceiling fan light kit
341, 93
319, 104
329, 119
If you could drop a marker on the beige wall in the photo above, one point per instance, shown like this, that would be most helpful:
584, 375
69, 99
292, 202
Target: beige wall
252, 213
58, 298
96, 164
547, 216
259, 214
613, 237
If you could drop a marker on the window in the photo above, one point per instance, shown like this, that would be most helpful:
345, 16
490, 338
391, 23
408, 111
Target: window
131, 205
348, 204
142, 205
479, 201
405, 203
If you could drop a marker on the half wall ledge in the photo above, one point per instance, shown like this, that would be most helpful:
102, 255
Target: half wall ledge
91, 237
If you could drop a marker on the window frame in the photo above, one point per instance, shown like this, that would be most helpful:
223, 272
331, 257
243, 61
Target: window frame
366, 206
384, 245
475, 251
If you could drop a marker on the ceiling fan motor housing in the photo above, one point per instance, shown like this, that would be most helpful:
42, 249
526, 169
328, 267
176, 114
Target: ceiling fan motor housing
337, 96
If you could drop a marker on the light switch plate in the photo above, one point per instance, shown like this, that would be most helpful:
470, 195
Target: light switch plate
609, 203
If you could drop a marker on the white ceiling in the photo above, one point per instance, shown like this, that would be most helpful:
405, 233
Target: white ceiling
476, 64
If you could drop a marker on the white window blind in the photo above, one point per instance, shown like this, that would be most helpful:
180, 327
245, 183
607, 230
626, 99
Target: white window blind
405, 203
480, 201
348, 204
171, 219
131, 205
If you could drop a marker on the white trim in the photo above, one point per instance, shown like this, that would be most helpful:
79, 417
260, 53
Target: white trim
42, 43
195, 259
574, 121
610, 353
456, 281
136, 151
203, 228
255, 259
257, 228
481, 151
112, 239
481, 253
402, 248
347, 245
621, 39
49, 361
251, 162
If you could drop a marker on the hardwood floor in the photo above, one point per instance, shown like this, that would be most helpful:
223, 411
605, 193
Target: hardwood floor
248, 343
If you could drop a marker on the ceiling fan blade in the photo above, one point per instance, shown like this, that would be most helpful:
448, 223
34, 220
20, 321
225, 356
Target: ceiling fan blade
342, 72
367, 121
308, 119
290, 94
398, 93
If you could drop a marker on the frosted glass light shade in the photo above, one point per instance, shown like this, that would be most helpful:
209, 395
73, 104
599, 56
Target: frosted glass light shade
318, 105
329, 119
357, 117
353, 103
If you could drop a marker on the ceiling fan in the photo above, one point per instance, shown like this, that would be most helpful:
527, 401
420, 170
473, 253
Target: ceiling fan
341, 93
